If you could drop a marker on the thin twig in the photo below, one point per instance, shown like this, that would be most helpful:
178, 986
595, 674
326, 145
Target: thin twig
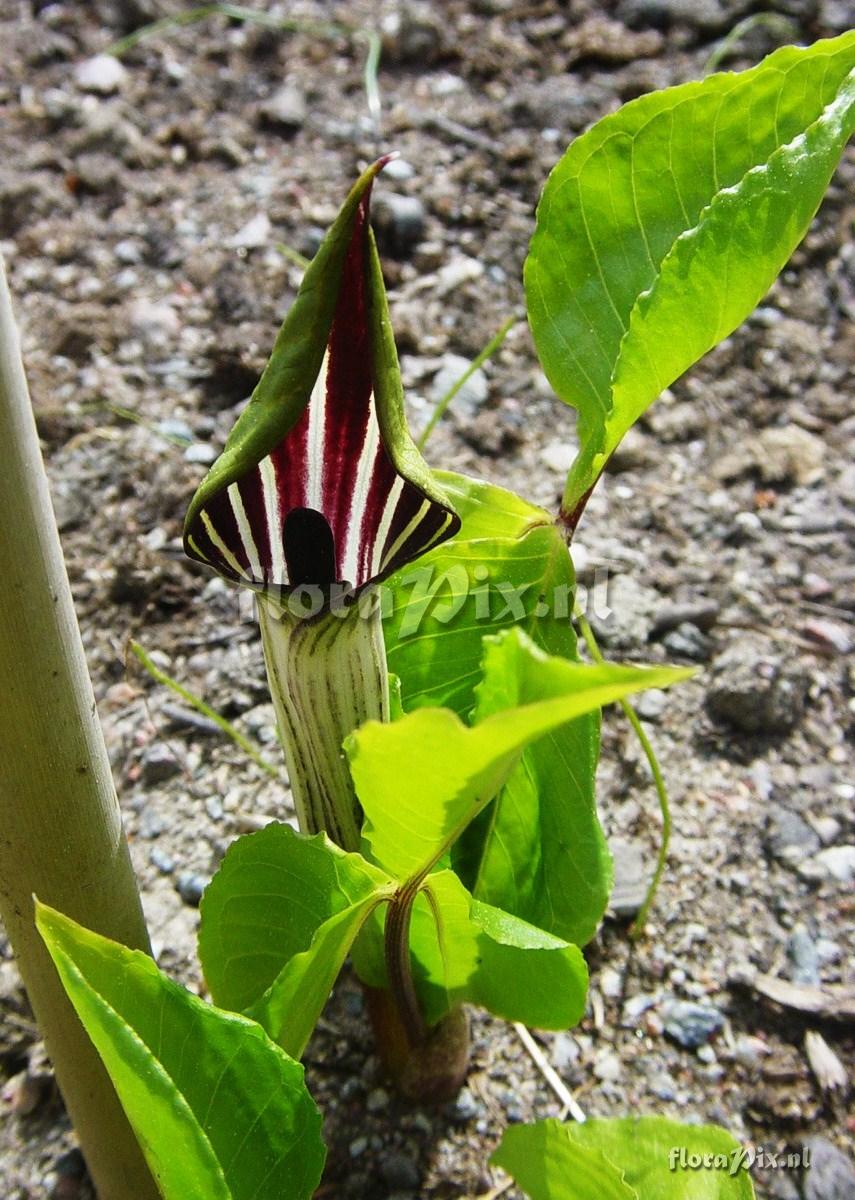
490, 349
226, 726
293, 256
777, 22
550, 1074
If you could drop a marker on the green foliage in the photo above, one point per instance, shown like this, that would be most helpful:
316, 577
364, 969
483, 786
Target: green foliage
276, 923
631, 1158
220, 1112
663, 225
283, 910
413, 817
540, 853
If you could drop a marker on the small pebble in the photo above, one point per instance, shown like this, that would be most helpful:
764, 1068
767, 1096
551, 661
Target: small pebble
158, 764
558, 456
201, 452
400, 1172
466, 1107
831, 1175
691, 1025
377, 1100
399, 222
103, 74
160, 859
190, 887
152, 823
285, 110
255, 233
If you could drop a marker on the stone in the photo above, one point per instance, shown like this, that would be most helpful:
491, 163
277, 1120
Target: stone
400, 1172
399, 222
607, 1066
789, 838
789, 454
252, 235
190, 887
164, 862
558, 456
152, 824
651, 705
153, 320
628, 620
466, 1107
691, 1025
158, 764
835, 863
412, 34
803, 956
632, 877
831, 1175
201, 452
285, 110
471, 395
757, 691
687, 641
103, 74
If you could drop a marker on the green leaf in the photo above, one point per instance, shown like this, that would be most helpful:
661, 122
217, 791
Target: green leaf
277, 921
551, 1161
219, 1110
506, 560
645, 1147
662, 226
414, 815
481, 955
547, 860
538, 850
548, 1164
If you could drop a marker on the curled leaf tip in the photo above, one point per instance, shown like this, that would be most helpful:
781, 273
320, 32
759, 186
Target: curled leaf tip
320, 483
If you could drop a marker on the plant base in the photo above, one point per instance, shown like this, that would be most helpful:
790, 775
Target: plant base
434, 1070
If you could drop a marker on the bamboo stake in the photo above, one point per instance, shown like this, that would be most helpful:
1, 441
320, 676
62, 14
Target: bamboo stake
61, 833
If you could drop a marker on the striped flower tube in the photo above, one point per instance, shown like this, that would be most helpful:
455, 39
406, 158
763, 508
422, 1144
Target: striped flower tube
319, 494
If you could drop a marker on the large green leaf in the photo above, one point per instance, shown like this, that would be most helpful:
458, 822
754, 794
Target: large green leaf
507, 566
663, 225
423, 778
220, 1112
483, 955
659, 1159
277, 921
546, 860
549, 1165
538, 850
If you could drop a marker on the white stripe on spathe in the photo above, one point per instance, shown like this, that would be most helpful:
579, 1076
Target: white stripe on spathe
402, 537
315, 447
245, 533
359, 496
267, 470
217, 541
386, 524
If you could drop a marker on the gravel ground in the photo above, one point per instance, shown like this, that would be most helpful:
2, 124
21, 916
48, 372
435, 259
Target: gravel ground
141, 214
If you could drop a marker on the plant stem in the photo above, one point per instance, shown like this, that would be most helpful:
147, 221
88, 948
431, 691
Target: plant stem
327, 676
62, 831
205, 709
490, 349
399, 965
